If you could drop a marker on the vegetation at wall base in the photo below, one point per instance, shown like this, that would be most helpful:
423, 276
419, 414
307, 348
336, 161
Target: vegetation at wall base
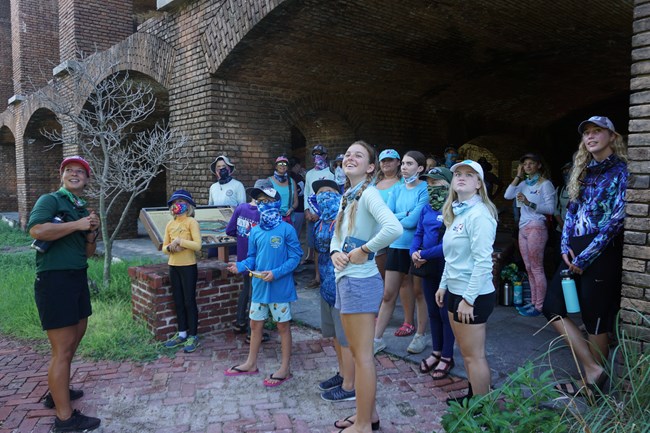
529, 403
112, 333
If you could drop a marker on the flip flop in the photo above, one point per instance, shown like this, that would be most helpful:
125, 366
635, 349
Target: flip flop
573, 389
234, 371
278, 380
346, 420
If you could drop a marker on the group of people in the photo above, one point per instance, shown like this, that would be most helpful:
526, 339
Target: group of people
394, 226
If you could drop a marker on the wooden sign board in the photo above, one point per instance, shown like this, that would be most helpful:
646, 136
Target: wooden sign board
212, 222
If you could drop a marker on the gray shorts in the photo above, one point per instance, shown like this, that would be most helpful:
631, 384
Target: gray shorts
330, 323
359, 295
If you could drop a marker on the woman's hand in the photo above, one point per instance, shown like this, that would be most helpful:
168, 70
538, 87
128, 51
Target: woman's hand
440, 297
569, 262
357, 256
465, 312
340, 260
520, 171
521, 198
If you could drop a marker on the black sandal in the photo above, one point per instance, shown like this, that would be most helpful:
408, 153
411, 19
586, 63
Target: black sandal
443, 372
239, 328
425, 368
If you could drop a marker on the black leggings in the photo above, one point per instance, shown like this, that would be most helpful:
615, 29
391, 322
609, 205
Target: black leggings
599, 287
183, 279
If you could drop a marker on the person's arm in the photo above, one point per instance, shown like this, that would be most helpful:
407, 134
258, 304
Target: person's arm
610, 229
241, 193
418, 236
481, 229
544, 202
210, 196
511, 190
294, 254
412, 217
167, 238
231, 228
195, 243
249, 261
390, 230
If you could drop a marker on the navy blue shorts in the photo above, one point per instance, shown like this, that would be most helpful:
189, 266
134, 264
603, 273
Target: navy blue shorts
62, 298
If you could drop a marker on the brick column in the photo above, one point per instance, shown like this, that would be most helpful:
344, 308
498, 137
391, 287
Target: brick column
216, 296
636, 253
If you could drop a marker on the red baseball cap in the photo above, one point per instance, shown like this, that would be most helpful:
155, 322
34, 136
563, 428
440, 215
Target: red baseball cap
78, 160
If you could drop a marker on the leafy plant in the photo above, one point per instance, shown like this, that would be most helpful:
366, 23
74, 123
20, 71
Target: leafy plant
511, 273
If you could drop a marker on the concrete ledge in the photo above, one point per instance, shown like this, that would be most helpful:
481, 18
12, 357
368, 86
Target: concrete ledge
164, 5
16, 99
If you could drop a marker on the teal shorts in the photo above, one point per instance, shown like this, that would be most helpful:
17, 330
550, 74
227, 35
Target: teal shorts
281, 312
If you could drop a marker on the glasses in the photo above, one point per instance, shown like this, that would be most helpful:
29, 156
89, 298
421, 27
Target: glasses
434, 170
283, 164
77, 171
317, 154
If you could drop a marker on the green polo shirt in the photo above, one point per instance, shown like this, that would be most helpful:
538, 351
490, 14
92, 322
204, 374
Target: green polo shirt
68, 252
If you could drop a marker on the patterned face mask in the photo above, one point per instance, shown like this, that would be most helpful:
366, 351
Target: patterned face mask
269, 214
328, 204
179, 208
280, 177
320, 162
437, 196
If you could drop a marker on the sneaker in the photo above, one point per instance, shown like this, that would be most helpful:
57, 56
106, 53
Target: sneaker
524, 307
531, 312
77, 422
175, 341
75, 394
191, 344
338, 394
418, 344
332, 382
378, 346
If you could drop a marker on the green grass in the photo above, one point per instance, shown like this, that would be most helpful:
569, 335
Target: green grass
112, 332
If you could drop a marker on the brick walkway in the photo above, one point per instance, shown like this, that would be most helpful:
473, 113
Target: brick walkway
189, 393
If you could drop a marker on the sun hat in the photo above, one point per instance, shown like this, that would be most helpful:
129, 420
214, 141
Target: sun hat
262, 186
77, 159
225, 159
442, 173
181, 194
535, 157
282, 158
319, 148
601, 121
388, 153
339, 157
468, 162
320, 183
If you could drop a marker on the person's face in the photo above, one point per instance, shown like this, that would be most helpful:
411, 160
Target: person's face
218, 167
431, 163
436, 182
325, 189
530, 166
74, 177
598, 141
356, 162
389, 166
410, 167
466, 181
263, 198
281, 167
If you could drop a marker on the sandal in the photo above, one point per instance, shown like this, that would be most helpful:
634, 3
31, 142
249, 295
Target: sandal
425, 367
590, 390
405, 330
239, 328
373, 425
443, 372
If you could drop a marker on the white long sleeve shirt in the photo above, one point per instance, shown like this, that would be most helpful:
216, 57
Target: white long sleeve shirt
542, 194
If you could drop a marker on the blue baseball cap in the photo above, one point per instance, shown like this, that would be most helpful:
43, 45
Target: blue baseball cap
181, 194
388, 153
601, 121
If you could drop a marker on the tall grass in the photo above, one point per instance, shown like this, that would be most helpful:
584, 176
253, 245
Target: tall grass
112, 333
529, 403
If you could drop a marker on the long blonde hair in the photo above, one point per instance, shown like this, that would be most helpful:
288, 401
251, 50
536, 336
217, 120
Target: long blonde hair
582, 159
345, 201
448, 213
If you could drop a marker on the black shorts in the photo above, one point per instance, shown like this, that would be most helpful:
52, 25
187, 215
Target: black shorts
599, 287
62, 298
398, 260
483, 306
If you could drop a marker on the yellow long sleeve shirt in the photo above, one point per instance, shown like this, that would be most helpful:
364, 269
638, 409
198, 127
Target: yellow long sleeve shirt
187, 229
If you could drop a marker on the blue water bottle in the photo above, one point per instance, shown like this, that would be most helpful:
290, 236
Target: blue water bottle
518, 294
570, 292
43, 246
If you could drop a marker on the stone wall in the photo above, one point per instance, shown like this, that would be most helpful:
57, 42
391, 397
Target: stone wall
217, 292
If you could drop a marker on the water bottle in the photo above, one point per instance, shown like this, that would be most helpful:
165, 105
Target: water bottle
506, 294
570, 292
42, 246
518, 294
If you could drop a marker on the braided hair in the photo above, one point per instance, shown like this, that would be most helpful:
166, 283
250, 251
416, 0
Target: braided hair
353, 202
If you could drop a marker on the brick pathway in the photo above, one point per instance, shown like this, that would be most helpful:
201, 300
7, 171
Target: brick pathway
189, 393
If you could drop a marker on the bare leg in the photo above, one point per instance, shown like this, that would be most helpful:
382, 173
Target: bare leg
346, 365
284, 328
420, 305
574, 338
391, 288
471, 341
256, 341
359, 329
407, 298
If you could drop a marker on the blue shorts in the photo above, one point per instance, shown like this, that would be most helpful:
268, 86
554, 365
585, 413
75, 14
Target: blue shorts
280, 311
359, 295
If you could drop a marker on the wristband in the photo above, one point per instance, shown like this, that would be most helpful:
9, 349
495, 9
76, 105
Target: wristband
334, 252
518, 177
465, 300
365, 249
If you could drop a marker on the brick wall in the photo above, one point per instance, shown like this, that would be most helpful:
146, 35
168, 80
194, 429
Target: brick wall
93, 25
217, 292
34, 43
8, 198
6, 67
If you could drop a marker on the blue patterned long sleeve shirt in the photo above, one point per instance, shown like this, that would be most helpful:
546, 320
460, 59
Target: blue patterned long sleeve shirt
600, 208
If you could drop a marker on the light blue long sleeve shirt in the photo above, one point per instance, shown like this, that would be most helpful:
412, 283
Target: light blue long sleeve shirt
407, 204
467, 246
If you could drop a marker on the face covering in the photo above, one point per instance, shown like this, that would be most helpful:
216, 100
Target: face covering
437, 196
460, 207
280, 177
270, 216
320, 162
412, 178
224, 175
328, 204
450, 159
179, 208
76, 201
532, 180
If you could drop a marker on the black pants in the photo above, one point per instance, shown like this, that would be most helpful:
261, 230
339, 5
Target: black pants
183, 279
599, 287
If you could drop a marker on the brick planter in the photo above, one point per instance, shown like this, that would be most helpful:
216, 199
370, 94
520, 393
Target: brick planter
216, 296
